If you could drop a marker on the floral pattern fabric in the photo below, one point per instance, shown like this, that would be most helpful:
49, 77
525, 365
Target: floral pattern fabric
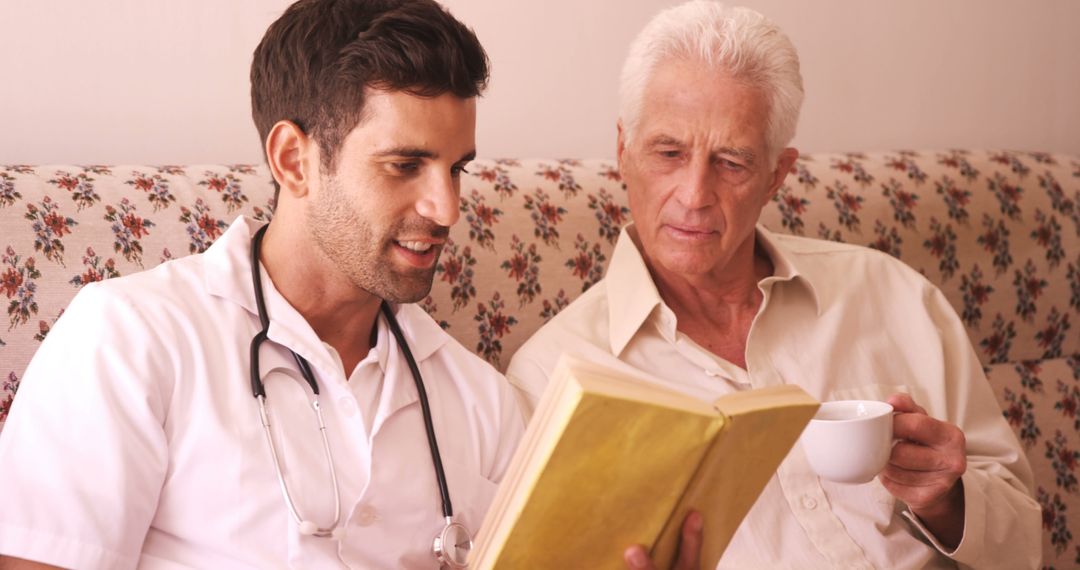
997, 231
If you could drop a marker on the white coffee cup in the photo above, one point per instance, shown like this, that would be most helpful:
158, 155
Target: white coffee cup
849, 441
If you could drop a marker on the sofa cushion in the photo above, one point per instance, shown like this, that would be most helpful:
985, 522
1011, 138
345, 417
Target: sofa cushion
1041, 401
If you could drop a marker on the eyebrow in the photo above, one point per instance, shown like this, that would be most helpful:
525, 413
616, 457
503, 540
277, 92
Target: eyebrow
742, 152
407, 152
664, 140
418, 152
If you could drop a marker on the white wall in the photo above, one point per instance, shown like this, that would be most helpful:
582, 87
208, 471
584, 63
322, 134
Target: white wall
165, 81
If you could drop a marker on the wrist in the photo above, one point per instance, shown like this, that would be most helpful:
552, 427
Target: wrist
945, 516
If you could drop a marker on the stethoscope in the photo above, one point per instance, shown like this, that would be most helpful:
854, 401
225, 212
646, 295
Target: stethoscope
451, 546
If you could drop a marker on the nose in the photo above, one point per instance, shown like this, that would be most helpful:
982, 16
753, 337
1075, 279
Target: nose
698, 185
439, 199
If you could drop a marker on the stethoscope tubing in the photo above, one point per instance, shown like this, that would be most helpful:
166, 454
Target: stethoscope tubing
265, 417
425, 408
259, 392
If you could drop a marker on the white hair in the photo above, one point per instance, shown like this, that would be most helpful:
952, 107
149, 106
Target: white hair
730, 39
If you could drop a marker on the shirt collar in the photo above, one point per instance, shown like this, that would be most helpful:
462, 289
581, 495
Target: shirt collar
228, 264
786, 266
228, 275
424, 337
423, 334
631, 292
633, 297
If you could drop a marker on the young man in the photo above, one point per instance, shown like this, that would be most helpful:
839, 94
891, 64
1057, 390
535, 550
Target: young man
700, 297
140, 437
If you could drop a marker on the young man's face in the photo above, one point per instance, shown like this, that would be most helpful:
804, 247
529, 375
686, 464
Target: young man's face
383, 216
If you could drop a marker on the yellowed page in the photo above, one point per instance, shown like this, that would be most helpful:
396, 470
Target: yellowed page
762, 425
610, 480
553, 411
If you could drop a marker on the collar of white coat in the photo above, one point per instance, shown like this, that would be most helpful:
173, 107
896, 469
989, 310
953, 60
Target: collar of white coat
228, 275
633, 298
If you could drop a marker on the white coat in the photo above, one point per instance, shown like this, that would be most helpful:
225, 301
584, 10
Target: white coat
135, 439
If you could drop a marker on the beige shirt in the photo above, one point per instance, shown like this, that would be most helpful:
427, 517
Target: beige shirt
842, 322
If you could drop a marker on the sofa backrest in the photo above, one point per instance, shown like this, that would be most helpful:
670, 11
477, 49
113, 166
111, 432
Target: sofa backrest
997, 231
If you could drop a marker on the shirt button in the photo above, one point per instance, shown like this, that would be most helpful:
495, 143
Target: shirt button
809, 503
367, 516
347, 405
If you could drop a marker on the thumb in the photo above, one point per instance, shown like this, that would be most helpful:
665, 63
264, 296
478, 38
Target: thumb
904, 403
636, 558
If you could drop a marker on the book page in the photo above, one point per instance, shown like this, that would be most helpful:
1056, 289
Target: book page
603, 479
553, 411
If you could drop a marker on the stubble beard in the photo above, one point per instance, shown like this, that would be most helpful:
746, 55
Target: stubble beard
349, 242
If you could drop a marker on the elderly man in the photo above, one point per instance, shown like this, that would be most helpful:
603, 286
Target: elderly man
701, 297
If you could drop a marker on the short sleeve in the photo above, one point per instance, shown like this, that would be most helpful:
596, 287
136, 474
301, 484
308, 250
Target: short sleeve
84, 453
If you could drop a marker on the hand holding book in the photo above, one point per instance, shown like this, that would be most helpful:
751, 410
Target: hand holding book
612, 459
689, 558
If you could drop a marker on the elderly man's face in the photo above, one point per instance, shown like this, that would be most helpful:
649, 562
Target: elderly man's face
697, 170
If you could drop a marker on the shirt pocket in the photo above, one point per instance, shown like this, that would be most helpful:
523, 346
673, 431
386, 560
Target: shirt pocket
872, 502
470, 493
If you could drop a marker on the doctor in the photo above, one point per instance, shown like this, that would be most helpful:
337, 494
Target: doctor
172, 418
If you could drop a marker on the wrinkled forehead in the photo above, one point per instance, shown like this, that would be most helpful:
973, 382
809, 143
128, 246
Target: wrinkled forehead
693, 101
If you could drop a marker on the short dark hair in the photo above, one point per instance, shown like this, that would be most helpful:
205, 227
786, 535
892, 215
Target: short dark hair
315, 62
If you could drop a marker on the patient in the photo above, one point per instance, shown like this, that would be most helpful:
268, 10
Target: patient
700, 295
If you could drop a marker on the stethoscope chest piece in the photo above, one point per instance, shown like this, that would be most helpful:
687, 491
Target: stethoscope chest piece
452, 546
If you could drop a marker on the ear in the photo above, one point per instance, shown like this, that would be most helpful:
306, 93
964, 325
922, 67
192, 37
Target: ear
620, 147
289, 152
783, 168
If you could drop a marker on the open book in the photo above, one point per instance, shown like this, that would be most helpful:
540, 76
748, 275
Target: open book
610, 460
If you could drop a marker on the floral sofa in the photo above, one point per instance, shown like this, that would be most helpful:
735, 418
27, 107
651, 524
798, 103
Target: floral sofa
997, 231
